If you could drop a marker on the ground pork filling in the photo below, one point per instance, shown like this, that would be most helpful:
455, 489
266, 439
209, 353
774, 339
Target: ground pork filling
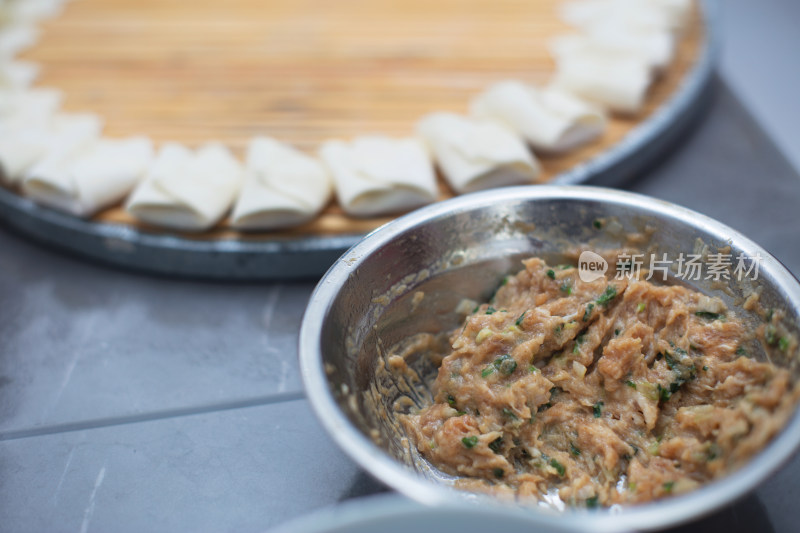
608, 392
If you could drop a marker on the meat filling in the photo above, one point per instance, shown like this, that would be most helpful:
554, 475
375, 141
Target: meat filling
607, 392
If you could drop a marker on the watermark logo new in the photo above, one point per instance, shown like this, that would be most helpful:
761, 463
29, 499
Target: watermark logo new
591, 266
688, 267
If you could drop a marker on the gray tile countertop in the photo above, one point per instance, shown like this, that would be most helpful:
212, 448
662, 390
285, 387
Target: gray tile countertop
759, 62
135, 403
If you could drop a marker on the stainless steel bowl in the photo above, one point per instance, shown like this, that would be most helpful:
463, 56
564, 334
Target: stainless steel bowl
460, 249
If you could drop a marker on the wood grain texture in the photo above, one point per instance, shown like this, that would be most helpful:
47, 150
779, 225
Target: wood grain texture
303, 71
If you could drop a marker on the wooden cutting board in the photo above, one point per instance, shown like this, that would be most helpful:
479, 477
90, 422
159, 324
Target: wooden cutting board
303, 71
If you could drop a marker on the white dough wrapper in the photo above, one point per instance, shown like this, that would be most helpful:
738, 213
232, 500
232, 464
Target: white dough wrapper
20, 108
615, 82
29, 10
679, 12
17, 38
477, 154
551, 120
376, 175
283, 187
91, 178
656, 48
17, 74
631, 15
187, 190
22, 148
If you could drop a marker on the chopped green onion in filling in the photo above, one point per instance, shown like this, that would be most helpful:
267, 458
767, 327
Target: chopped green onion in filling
607, 296
709, 315
559, 467
470, 441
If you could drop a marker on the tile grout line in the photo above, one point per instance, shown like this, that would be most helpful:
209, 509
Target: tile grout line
148, 417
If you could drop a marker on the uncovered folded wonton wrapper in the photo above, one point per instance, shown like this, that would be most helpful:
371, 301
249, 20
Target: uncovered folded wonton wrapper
21, 108
91, 178
21, 148
187, 190
17, 38
550, 120
656, 48
377, 175
614, 81
17, 74
283, 187
678, 12
638, 15
477, 154
17, 11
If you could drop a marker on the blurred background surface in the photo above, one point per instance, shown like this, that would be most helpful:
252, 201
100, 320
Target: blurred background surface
761, 64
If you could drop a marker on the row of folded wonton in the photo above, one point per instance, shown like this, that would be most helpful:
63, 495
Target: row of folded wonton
61, 160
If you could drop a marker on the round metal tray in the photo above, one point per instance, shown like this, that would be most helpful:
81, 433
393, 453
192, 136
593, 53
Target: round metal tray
307, 257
